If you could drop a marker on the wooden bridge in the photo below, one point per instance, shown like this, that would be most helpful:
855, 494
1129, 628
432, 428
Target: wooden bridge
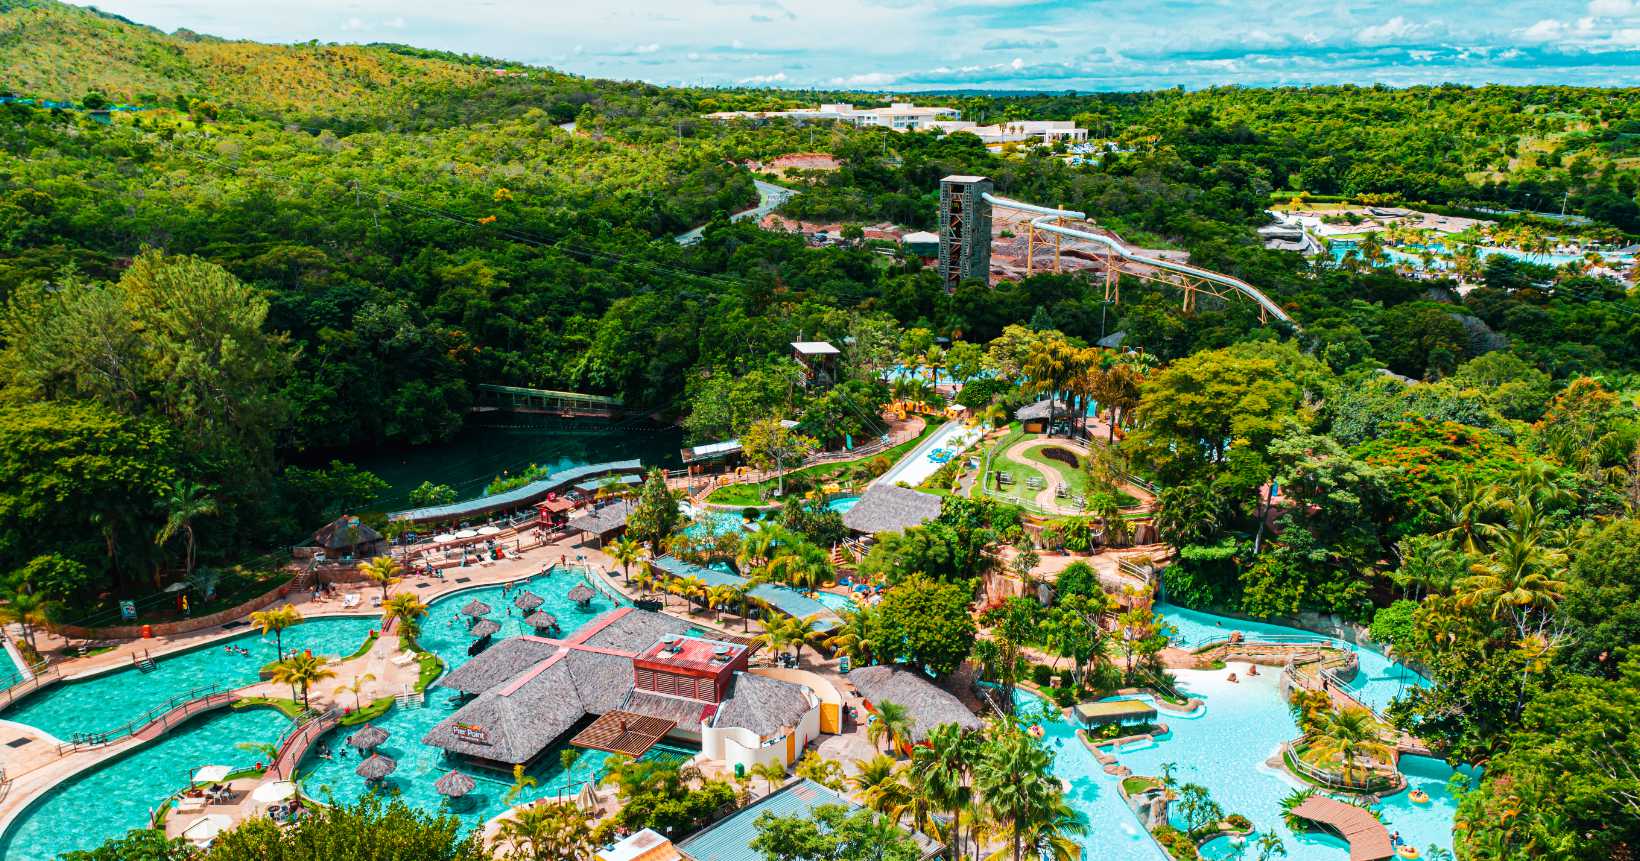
156, 721
295, 746
518, 399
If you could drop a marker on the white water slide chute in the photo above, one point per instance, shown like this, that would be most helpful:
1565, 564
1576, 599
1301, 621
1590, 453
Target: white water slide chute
1191, 279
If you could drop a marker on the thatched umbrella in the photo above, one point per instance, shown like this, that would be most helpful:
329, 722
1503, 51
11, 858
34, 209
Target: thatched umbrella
528, 601
454, 785
541, 620
376, 767
476, 608
581, 594
484, 628
368, 738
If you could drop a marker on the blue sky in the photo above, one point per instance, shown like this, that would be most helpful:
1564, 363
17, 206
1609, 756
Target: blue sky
989, 44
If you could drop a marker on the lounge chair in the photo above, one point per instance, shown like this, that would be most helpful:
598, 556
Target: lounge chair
190, 803
350, 600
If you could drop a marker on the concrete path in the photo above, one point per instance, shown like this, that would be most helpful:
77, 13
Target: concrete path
769, 198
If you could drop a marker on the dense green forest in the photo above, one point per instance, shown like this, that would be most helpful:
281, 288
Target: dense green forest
295, 253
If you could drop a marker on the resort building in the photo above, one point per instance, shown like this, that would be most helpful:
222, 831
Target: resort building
724, 452
730, 839
1124, 712
781, 598
645, 845
1018, 131
899, 116
603, 523
557, 483
927, 705
639, 677
890, 508
1034, 417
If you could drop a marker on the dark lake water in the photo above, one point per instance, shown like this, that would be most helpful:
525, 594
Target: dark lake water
506, 443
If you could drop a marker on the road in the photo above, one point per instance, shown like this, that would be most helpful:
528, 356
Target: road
769, 198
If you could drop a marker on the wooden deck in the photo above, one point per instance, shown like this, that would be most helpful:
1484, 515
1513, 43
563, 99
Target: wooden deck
623, 732
1368, 838
296, 745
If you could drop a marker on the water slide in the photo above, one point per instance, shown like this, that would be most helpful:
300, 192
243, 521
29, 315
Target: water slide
1046, 222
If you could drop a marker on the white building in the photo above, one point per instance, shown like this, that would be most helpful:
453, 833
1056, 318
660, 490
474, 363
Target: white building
1018, 131
900, 116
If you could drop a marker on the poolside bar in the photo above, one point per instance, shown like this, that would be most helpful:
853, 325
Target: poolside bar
1125, 712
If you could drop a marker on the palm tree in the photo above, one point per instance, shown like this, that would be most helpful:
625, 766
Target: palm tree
893, 725
625, 550
1516, 578
521, 782
771, 772
544, 832
23, 605
870, 775
408, 610
355, 687
719, 597
945, 763
802, 632
1270, 845
855, 638
1465, 511
1049, 366
803, 565
1013, 779
384, 571
274, 622
301, 670
688, 588
184, 502
1348, 734
1052, 834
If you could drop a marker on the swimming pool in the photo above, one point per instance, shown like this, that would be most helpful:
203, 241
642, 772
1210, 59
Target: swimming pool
843, 503
110, 800
709, 522
444, 633
1378, 682
839, 604
934, 452
105, 701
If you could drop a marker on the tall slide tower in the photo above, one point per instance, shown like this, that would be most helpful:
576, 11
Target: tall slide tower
965, 229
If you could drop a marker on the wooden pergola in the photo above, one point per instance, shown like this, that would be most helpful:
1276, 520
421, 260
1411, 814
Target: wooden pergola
623, 732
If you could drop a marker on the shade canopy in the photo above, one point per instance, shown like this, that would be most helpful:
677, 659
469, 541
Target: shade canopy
484, 628
581, 594
541, 620
345, 532
454, 785
277, 790
376, 767
527, 601
467, 533
369, 738
211, 773
476, 607
489, 530
443, 537
207, 827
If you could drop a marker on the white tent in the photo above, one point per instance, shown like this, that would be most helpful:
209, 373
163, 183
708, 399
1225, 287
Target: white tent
489, 530
206, 828
443, 537
466, 533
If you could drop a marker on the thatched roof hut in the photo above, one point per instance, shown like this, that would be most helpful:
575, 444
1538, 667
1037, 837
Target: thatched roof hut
927, 705
376, 767
1039, 410
581, 594
763, 705
368, 738
347, 533
528, 601
476, 608
484, 628
541, 620
887, 508
454, 785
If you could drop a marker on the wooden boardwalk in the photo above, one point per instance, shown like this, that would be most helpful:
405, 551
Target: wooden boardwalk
296, 745
168, 721
1368, 838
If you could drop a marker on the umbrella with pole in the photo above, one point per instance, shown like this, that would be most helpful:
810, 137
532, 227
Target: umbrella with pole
528, 601
454, 785
368, 738
376, 767
475, 608
541, 621
581, 594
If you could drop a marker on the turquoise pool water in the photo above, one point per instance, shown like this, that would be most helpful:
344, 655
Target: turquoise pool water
838, 603
106, 701
842, 503
419, 765
1341, 249
715, 522
108, 801
1378, 683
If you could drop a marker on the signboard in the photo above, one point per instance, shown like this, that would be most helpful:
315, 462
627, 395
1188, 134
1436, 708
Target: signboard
471, 733
128, 611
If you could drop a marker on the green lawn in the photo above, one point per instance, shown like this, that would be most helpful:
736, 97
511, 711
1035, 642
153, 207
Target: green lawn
752, 494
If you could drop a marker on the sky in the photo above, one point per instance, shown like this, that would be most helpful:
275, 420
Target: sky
1052, 45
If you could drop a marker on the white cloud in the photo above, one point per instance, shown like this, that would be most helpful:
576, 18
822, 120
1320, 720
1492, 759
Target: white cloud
776, 78
1613, 8
352, 25
1017, 64
650, 48
1397, 29
869, 79
394, 23
1019, 45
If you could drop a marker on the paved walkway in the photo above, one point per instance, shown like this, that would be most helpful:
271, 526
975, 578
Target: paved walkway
1046, 498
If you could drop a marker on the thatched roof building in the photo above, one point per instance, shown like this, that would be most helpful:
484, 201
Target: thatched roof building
1039, 410
927, 705
887, 508
604, 522
763, 705
348, 534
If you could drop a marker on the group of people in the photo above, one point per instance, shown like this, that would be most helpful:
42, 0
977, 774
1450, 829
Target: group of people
237, 650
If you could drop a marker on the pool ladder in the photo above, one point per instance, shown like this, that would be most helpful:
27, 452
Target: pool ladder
411, 699
143, 663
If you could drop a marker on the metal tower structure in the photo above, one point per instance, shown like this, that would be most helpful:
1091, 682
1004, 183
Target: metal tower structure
965, 229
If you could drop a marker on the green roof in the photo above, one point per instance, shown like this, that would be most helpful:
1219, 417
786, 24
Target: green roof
730, 838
